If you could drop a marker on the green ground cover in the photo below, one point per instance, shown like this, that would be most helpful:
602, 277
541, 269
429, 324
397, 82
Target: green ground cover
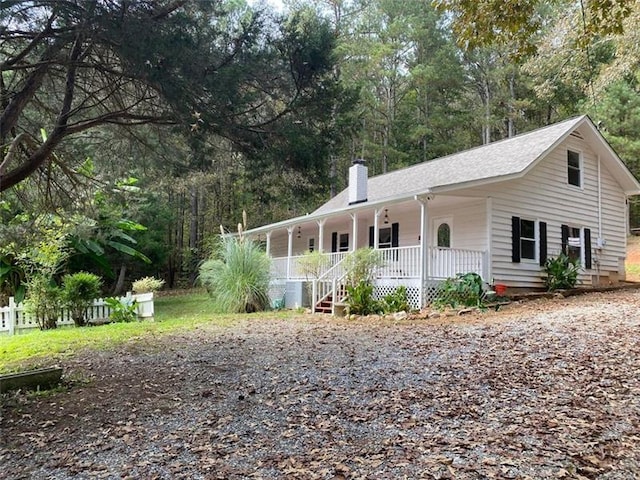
174, 313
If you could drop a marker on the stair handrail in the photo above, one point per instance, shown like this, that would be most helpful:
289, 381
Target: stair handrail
323, 278
337, 282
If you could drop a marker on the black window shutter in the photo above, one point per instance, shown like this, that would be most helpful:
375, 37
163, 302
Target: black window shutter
565, 239
371, 237
515, 239
543, 242
334, 242
395, 233
587, 248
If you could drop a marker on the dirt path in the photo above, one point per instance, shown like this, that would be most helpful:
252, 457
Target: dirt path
548, 390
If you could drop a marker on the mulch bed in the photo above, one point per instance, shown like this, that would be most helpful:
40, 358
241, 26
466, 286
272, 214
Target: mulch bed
546, 389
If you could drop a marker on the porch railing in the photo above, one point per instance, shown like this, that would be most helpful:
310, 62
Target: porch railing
448, 262
400, 262
280, 265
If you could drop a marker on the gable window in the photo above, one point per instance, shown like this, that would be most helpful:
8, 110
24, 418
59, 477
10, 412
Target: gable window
312, 244
574, 168
444, 235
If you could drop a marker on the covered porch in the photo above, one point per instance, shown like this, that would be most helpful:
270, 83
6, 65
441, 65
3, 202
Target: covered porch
422, 242
401, 267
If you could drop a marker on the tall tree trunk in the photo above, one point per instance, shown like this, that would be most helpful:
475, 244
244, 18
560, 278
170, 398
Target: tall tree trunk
180, 235
193, 233
511, 129
333, 168
486, 127
119, 286
171, 272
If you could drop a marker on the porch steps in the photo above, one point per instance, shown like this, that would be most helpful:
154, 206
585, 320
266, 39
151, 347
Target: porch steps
326, 304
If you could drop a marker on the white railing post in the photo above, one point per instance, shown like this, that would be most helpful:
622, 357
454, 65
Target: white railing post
12, 316
314, 295
485, 266
424, 248
268, 245
333, 296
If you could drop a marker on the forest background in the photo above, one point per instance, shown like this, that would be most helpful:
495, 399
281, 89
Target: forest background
131, 130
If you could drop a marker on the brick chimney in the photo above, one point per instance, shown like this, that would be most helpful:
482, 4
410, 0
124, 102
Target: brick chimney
358, 176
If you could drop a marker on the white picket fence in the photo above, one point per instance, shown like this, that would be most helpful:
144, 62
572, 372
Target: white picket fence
14, 318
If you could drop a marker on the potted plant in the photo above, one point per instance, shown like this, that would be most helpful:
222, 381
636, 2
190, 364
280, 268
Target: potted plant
143, 289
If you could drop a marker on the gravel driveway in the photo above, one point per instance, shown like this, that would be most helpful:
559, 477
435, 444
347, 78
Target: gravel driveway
547, 389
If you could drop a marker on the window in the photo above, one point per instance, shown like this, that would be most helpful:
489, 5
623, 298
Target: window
574, 244
388, 237
384, 238
574, 168
527, 239
312, 244
444, 235
343, 245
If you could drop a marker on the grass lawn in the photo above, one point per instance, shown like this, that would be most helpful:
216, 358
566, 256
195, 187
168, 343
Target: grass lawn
632, 263
37, 348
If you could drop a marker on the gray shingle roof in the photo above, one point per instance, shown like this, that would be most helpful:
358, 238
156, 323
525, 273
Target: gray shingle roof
503, 158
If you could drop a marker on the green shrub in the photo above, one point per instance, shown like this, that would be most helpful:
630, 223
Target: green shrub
238, 279
146, 285
396, 301
43, 301
312, 264
361, 266
78, 292
360, 299
561, 272
466, 289
122, 312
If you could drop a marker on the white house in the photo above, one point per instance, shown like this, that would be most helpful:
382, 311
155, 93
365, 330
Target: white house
499, 210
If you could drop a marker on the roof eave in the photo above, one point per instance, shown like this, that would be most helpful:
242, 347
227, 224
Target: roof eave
292, 222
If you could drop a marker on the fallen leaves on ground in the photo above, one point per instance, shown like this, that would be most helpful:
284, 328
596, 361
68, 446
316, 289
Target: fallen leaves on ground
547, 389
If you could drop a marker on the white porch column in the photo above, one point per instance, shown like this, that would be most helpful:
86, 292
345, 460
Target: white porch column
354, 221
321, 235
289, 251
424, 247
487, 273
376, 223
268, 246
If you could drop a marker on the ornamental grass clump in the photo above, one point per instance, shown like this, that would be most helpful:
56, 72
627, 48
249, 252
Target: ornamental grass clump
237, 278
147, 285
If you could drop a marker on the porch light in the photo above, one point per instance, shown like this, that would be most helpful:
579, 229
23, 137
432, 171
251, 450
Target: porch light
386, 216
299, 232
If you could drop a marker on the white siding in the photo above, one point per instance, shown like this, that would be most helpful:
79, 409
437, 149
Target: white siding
468, 229
543, 194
